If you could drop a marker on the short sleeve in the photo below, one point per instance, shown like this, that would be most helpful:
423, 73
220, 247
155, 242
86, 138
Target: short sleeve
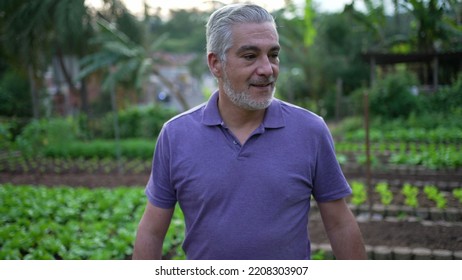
329, 181
159, 189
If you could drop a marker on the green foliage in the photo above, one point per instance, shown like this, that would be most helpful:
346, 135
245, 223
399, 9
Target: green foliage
359, 193
310, 31
75, 223
181, 39
362, 160
386, 196
68, 223
40, 134
102, 149
392, 96
430, 24
347, 126
394, 104
435, 195
319, 255
447, 100
431, 156
58, 137
312, 72
5, 136
427, 128
14, 95
457, 193
127, 60
410, 193
136, 122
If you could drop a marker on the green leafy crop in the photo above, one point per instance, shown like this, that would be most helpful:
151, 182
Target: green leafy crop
71, 223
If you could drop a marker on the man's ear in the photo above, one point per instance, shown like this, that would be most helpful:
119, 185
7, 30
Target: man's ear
215, 65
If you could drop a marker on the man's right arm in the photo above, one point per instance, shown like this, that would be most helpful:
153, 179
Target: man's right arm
151, 232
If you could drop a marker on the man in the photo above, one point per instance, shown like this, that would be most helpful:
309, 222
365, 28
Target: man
244, 166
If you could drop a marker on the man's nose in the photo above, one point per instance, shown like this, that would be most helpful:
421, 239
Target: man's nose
265, 67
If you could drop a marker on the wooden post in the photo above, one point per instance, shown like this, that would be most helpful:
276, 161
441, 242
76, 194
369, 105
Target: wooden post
116, 123
368, 152
338, 99
435, 73
372, 70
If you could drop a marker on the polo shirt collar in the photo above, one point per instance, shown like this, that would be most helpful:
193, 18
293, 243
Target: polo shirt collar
273, 117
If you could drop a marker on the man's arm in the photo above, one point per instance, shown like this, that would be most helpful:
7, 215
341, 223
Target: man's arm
343, 230
151, 233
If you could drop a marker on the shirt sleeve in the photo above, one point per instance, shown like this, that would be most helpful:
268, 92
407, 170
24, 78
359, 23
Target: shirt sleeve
329, 181
159, 189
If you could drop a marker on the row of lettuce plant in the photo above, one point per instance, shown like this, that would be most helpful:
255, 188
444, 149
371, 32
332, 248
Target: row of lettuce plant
433, 156
75, 223
437, 135
395, 147
409, 192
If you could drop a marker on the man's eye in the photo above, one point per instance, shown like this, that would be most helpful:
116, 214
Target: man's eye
249, 56
274, 55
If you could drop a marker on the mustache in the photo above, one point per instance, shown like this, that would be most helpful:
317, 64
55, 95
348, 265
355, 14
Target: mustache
262, 80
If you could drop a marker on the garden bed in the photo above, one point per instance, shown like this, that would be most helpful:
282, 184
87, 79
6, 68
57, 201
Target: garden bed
393, 231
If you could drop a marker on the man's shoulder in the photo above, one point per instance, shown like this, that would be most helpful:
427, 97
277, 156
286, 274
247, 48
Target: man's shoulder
299, 113
192, 115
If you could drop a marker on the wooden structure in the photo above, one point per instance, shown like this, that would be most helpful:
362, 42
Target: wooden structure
432, 69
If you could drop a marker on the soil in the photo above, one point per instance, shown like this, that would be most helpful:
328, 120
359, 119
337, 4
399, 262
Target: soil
431, 235
400, 234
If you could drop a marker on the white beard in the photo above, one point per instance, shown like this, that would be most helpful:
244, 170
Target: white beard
243, 99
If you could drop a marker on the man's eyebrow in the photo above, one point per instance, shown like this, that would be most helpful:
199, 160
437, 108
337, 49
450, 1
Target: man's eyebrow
255, 48
248, 48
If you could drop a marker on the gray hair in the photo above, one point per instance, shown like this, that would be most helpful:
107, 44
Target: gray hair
219, 26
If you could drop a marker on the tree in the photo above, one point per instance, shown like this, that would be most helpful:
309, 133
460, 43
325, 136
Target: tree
124, 61
34, 31
313, 70
181, 39
373, 20
434, 28
297, 33
21, 40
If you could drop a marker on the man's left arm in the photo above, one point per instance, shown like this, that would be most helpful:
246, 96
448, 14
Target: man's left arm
342, 230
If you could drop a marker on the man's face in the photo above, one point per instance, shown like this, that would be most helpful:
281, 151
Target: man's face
252, 66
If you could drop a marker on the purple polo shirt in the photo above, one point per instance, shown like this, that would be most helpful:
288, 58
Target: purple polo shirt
250, 201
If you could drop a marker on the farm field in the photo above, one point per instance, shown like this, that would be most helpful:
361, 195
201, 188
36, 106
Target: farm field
393, 224
85, 91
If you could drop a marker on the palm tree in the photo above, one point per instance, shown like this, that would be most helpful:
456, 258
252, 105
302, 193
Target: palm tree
434, 28
21, 41
374, 21
34, 31
129, 63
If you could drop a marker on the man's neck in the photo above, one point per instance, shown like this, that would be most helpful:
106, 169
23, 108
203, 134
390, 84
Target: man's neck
240, 121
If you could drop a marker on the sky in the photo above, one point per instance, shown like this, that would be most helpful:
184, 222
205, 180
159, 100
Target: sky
136, 6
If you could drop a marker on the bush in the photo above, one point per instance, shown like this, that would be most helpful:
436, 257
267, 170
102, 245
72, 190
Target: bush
5, 136
39, 134
15, 98
393, 98
136, 122
447, 100
130, 149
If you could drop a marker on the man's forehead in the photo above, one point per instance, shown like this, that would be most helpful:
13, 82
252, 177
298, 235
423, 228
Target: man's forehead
254, 29
253, 36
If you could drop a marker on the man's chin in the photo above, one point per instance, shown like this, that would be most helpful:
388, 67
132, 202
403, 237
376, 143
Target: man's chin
256, 105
